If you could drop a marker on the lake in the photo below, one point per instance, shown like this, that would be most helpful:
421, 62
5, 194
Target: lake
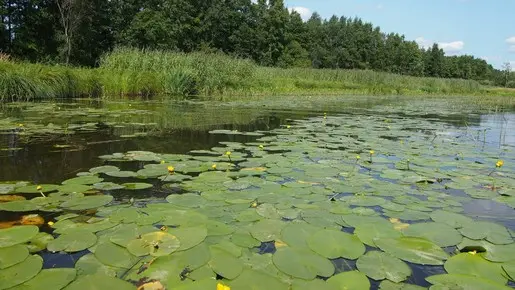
281, 193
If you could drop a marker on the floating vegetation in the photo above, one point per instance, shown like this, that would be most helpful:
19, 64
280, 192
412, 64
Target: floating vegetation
293, 209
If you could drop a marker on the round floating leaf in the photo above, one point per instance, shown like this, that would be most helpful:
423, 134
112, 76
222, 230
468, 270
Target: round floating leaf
99, 281
122, 174
354, 280
39, 242
188, 200
368, 233
19, 206
12, 255
87, 202
88, 179
89, 265
267, 230
334, 244
414, 250
494, 253
113, 255
45, 188
107, 186
245, 240
492, 232
73, 240
250, 279
296, 234
509, 268
455, 281
440, 234
104, 169
189, 237
225, 264
452, 219
156, 244
70, 188
389, 285
379, 266
137, 186
302, 263
475, 265
17, 235
20, 272
49, 279
316, 284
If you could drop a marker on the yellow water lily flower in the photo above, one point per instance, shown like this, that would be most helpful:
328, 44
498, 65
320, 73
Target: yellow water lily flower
221, 286
288, 127
171, 169
358, 157
499, 164
228, 153
372, 152
213, 166
163, 162
39, 187
50, 223
261, 147
473, 252
20, 125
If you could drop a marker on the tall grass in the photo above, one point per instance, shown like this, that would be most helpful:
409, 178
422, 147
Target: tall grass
131, 72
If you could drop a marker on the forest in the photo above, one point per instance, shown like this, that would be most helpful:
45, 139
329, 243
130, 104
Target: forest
79, 32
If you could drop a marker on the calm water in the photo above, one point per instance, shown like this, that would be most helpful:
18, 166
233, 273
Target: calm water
51, 142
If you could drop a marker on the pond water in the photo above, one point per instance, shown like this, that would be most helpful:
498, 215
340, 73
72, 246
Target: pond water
308, 193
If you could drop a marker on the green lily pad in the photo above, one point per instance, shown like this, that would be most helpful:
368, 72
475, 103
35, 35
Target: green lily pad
19, 206
452, 219
49, 279
492, 232
456, 281
267, 230
369, 232
12, 255
39, 242
20, 272
137, 186
71, 188
87, 202
244, 239
379, 266
17, 235
87, 180
115, 256
414, 250
72, 241
334, 244
439, 233
107, 186
389, 285
225, 264
122, 174
89, 265
104, 169
509, 269
155, 244
317, 284
45, 188
349, 280
99, 281
189, 237
251, 279
475, 265
302, 263
296, 234
494, 253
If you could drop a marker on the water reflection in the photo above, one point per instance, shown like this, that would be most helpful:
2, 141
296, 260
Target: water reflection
500, 128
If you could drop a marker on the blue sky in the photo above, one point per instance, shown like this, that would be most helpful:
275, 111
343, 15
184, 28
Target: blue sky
482, 28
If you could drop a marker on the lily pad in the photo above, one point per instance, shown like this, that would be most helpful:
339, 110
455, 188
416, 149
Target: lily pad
115, 256
156, 244
456, 281
72, 241
492, 232
17, 235
39, 242
99, 281
87, 180
137, 186
349, 280
49, 279
45, 188
379, 266
475, 265
89, 265
19, 206
414, 250
251, 279
107, 186
87, 202
439, 233
189, 237
334, 244
494, 253
12, 255
224, 264
302, 263
20, 272
267, 230
452, 219
104, 169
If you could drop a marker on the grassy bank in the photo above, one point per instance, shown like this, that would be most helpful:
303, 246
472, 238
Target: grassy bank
127, 72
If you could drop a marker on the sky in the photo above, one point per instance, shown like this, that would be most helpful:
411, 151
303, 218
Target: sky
484, 29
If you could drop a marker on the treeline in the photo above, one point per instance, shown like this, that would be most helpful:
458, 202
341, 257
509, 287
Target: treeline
79, 32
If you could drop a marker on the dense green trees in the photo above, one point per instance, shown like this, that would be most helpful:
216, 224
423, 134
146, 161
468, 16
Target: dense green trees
80, 31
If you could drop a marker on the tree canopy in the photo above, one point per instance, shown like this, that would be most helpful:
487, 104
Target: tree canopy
80, 31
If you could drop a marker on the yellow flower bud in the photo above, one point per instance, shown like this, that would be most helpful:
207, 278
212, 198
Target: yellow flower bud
358, 157
171, 169
39, 187
228, 153
372, 152
499, 164
50, 223
213, 166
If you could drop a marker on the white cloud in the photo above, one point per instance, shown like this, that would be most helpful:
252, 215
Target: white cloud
452, 47
510, 40
304, 12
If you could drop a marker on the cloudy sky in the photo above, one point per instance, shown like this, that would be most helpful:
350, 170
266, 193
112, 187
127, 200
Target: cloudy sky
481, 28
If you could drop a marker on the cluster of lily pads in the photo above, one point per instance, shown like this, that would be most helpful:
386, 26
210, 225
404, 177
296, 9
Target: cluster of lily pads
334, 202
